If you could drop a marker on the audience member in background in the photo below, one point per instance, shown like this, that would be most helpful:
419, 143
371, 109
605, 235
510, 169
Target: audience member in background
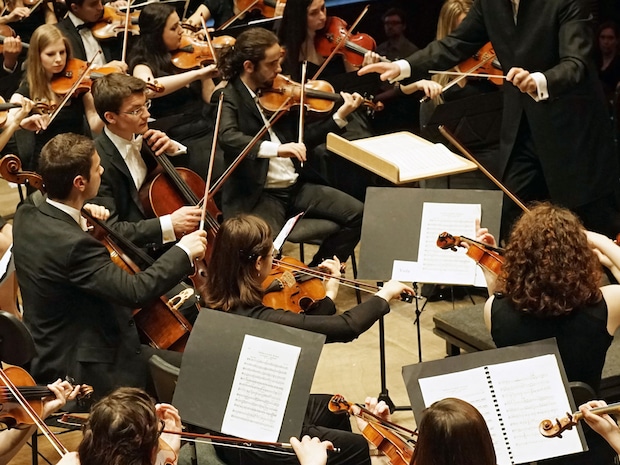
608, 57
397, 45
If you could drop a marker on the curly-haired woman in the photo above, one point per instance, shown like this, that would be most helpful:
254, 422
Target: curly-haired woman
549, 287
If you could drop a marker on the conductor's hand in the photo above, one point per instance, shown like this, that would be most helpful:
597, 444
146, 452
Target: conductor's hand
185, 220
388, 71
292, 150
196, 243
392, 290
522, 79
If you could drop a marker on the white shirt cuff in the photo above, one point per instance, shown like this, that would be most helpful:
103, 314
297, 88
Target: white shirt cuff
405, 71
541, 87
167, 229
182, 150
9, 70
268, 149
186, 250
339, 121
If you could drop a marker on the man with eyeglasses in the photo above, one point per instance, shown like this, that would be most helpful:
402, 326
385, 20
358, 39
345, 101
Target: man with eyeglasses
121, 102
397, 45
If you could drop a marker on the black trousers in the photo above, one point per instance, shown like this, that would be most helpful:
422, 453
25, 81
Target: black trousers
275, 206
319, 422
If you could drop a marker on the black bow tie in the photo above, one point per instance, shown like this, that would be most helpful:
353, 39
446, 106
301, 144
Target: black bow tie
79, 27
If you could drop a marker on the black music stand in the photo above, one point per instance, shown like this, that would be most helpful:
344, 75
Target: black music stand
391, 231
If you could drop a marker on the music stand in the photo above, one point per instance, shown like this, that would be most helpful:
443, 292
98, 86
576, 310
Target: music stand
388, 235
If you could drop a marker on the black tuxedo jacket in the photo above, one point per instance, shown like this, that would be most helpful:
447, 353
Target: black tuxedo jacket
78, 303
77, 46
240, 122
571, 130
118, 194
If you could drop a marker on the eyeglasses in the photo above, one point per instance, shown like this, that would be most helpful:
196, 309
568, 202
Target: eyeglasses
138, 111
162, 427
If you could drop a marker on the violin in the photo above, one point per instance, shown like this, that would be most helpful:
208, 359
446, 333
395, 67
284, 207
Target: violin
39, 107
487, 256
395, 441
75, 69
299, 292
354, 47
112, 23
287, 288
319, 96
194, 53
159, 323
484, 61
549, 429
11, 412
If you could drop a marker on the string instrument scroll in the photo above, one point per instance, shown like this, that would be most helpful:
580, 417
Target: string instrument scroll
550, 429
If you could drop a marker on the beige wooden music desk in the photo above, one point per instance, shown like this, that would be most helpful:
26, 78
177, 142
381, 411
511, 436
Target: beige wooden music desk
400, 157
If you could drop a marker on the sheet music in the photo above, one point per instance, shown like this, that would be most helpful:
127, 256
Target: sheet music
260, 389
278, 242
445, 266
527, 391
416, 158
5, 261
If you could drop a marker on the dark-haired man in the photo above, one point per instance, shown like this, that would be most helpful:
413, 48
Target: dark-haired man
77, 302
269, 181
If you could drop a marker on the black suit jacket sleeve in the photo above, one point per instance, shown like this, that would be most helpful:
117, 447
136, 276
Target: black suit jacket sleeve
338, 328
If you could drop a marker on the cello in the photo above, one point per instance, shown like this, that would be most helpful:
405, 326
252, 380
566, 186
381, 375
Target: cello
159, 323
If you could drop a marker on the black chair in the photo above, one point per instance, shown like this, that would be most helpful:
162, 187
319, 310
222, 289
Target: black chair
314, 231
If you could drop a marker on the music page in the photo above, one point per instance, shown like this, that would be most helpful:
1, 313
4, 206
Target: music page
415, 157
528, 392
447, 266
260, 390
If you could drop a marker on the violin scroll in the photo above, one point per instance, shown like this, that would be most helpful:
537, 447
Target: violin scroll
549, 429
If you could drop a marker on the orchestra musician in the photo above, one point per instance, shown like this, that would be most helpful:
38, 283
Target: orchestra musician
126, 427
76, 27
121, 102
78, 303
48, 55
12, 440
181, 110
556, 137
243, 255
24, 20
549, 287
269, 181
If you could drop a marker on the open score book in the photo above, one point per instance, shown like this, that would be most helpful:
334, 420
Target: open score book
513, 397
400, 157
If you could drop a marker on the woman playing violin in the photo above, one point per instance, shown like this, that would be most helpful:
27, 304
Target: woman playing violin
181, 110
549, 287
48, 56
243, 256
